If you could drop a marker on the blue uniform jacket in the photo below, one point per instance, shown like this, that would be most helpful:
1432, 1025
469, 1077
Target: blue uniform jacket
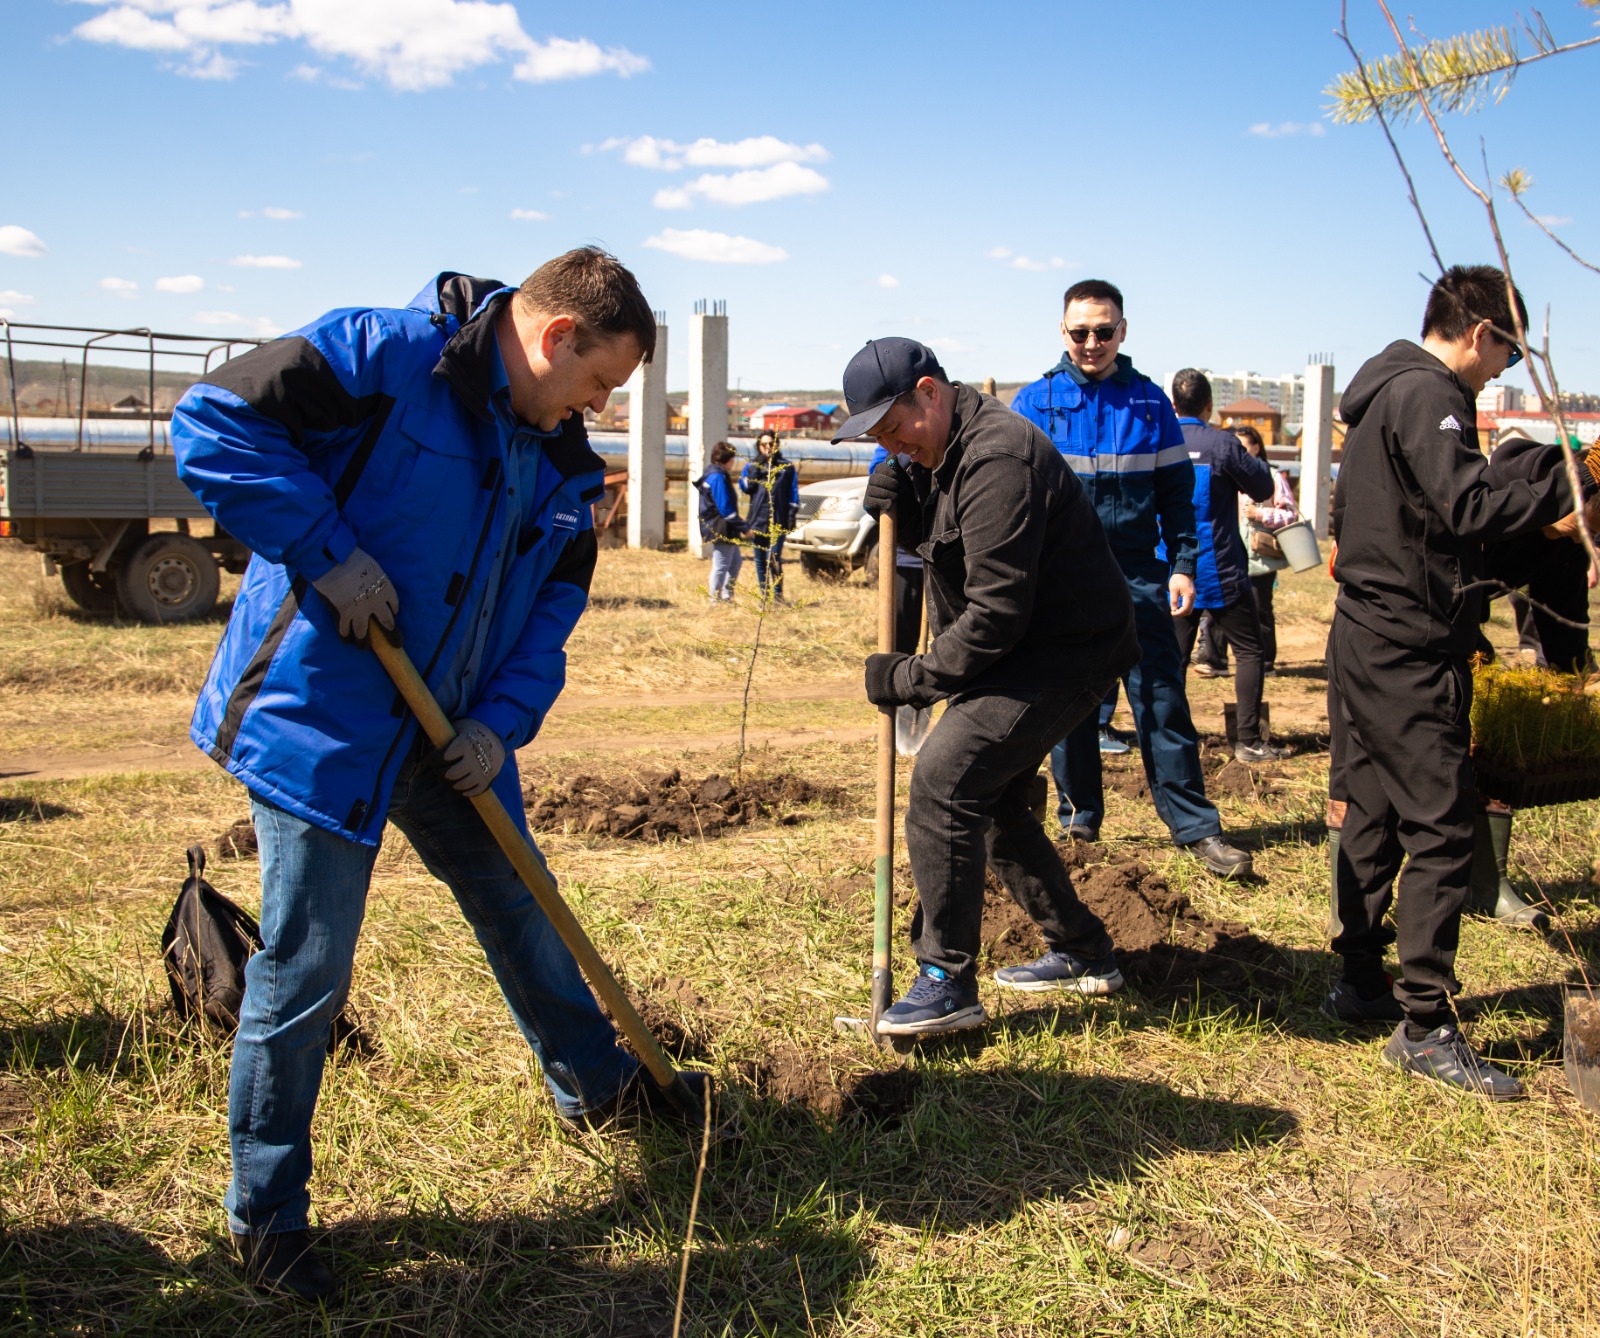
773, 487
1222, 470
373, 428
1122, 439
718, 502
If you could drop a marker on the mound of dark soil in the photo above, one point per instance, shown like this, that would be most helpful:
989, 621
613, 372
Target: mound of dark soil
238, 842
1167, 949
657, 806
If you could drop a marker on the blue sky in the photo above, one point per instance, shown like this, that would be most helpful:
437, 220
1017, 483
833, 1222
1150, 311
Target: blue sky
835, 172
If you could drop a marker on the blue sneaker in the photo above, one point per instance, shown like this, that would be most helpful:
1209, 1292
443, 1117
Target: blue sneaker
1111, 745
1063, 971
934, 1003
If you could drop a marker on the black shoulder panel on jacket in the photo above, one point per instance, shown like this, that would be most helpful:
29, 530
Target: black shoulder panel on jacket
571, 453
460, 294
290, 382
575, 566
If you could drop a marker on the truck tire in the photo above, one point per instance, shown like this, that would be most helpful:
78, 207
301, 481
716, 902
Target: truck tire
92, 591
869, 564
169, 578
820, 569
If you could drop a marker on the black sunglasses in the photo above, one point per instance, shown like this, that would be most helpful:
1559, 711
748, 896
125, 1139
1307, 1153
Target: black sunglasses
1516, 348
1104, 333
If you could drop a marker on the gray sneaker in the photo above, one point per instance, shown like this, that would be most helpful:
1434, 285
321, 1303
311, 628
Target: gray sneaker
1443, 1056
1063, 971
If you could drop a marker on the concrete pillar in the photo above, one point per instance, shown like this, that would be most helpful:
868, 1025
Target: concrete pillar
647, 447
1316, 447
708, 400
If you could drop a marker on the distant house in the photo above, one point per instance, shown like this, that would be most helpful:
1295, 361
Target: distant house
836, 413
129, 404
1254, 413
795, 420
677, 416
758, 419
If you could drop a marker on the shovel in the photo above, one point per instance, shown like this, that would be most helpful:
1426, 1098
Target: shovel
517, 849
912, 723
883, 863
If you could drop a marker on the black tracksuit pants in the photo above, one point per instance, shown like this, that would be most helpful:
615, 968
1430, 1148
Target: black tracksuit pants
1241, 625
1401, 758
971, 808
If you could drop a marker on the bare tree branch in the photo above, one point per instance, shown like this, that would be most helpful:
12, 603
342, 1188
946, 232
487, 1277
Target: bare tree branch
1545, 228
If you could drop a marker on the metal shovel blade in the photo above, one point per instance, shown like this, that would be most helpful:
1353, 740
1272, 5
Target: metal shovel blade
911, 727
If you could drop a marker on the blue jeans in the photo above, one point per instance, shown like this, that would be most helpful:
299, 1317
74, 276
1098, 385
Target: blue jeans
1167, 741
769, 567
313, 894
726, 559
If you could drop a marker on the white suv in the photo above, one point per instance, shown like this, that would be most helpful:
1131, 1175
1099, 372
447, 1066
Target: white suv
833, 534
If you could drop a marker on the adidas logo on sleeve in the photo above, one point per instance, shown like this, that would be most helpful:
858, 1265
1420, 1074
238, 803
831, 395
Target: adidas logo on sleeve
1449, 424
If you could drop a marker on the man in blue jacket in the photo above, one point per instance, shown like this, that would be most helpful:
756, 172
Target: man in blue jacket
431, 462
1118, 433
1222, 469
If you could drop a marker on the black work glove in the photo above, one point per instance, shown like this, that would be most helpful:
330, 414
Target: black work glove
881, 670
474, 757
889, 487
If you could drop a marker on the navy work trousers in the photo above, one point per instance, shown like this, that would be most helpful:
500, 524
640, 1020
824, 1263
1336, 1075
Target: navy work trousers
1167, 741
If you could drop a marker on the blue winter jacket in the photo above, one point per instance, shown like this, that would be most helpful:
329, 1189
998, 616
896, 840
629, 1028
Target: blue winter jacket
1222, 470
374, 428
1122, 439
718, 502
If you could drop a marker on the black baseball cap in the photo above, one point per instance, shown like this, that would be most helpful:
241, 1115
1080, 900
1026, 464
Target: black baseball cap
877, 376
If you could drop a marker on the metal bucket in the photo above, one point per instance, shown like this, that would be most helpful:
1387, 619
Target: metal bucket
1299, 544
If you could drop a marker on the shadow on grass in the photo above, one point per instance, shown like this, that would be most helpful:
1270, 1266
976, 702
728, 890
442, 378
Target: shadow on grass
783, 1230
32, 810
120, 617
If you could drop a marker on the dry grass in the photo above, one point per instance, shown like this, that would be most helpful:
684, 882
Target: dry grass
1110, 1167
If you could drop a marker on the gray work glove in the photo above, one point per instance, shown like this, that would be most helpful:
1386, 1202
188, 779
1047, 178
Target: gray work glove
474, 757
359, 592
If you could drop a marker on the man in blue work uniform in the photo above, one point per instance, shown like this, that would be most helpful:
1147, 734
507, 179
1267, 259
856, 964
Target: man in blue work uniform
428, 461
1223, 469
1119, 434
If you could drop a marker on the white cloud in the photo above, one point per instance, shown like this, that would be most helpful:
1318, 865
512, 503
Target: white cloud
666, 155
265, 262
180, 283
716, 247
260, 326
998, 252
1549, 220
1266, 130
15, 241
949, 346
315, 74
529, 215
125, 288
271, 211
777, 182
887, 281
410, 44
12, 296
1035, 266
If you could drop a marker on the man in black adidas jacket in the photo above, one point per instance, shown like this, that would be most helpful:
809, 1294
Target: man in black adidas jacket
1034, 624
1412, 513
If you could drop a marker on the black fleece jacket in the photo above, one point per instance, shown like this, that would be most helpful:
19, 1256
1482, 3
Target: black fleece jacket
1026, 593
1414, 506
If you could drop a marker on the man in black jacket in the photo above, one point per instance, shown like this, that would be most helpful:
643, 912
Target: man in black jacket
1412, 513
1035, 624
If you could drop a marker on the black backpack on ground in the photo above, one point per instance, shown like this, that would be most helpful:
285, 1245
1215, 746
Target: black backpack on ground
207, 941
205, 945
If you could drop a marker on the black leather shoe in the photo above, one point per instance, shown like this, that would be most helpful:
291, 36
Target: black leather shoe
643, 1099
1222, 859
283, 1263
1345, 1004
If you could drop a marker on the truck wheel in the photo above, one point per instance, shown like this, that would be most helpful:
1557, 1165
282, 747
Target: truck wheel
869, 564
169, 578
92, 591
819, 569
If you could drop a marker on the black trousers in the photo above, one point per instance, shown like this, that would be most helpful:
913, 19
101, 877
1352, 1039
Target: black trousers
1262, 587
1402, 764
1237, 621
970, 809
1556, 574
908, 582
